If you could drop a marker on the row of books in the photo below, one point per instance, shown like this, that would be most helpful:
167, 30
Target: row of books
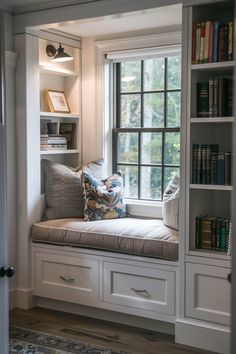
215, 98
212, 41
50, 142
60, 134
209, 166
212, 233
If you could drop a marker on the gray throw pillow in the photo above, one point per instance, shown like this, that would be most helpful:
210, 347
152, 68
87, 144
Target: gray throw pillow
63, 191
170, 209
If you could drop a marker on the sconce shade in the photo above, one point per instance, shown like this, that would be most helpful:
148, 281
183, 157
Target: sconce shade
57, 55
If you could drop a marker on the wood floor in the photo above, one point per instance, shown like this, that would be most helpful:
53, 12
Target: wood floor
93, 331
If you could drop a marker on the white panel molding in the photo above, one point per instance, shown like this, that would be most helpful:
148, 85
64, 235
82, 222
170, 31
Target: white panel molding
203, 335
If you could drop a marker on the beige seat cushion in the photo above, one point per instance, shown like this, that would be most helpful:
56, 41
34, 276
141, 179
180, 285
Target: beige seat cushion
140, 237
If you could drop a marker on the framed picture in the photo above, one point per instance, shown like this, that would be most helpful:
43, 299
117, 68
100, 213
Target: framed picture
57, 101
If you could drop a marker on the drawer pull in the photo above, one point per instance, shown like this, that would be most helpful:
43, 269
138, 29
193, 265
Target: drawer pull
142, 292
67, 280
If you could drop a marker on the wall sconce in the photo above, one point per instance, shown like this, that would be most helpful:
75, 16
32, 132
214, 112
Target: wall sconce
58, 55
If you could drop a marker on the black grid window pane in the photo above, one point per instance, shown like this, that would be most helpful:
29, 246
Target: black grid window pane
146, 136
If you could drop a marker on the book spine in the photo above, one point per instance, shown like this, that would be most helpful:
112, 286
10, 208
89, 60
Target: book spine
194, 163
220, 169
194, 30
213, 234
216, 41
229, 248
215, 98
228, 163
198, 42
222, 97
208, 164
211, 38
206, 44
198, 232
218, 233
221, 44
202, 42
204, 164
211, 94
230, 41
229, 100
226, 34
223, 236
213, 162
199, 164
202, 99
206, 234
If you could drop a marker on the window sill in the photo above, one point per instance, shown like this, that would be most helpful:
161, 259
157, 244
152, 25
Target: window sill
144, 208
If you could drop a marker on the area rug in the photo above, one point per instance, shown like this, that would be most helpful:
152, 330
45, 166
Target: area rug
25, 341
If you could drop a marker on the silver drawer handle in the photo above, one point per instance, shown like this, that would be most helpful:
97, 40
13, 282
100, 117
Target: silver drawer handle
142, 292
68, 280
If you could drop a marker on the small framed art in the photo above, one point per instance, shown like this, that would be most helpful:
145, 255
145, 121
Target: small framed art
57, 101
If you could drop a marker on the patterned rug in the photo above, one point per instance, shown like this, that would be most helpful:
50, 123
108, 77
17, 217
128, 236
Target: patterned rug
24, 341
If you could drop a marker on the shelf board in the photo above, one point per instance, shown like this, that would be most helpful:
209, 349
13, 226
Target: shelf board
59, 152
215, 187
53, 70
214, 66
213, 120
45, 115
210, 254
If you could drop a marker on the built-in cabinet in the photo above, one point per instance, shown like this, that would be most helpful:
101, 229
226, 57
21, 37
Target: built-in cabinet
207, 136
65, 78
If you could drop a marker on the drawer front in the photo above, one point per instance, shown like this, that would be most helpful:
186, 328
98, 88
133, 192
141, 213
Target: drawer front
66, 278
144, 288
208, 293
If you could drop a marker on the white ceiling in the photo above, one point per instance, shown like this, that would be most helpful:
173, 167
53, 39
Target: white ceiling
126, 22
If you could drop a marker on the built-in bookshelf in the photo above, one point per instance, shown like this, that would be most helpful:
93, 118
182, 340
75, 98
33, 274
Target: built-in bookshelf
60, 132
210, 119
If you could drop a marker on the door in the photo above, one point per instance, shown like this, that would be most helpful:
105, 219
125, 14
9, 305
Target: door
3, 239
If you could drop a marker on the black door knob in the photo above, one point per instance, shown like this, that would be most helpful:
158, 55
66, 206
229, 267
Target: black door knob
9, 272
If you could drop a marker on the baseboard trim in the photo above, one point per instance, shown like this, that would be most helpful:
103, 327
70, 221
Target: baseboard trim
106, 315
24, 299
203, 335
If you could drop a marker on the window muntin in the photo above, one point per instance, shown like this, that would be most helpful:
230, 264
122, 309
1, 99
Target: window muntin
146, 137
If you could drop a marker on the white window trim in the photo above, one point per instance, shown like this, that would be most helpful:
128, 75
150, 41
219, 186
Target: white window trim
104, 92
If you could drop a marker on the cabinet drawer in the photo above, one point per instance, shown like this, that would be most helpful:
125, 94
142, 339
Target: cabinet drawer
144, 288
208, 293
66, 278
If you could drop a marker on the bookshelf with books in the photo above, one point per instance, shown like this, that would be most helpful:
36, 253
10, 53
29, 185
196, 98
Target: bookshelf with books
60, 131
207, 106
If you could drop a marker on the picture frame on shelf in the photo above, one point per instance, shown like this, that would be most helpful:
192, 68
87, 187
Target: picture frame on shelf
57, 101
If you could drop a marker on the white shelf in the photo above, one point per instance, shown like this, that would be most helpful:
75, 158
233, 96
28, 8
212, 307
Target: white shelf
45, 115
59, 152
215, 187
213, 120
53, 70
214, 66
210, 254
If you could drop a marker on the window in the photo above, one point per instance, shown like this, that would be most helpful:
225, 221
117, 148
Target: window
146, 134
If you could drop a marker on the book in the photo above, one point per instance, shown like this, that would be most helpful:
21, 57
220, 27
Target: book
220, 169
216, 41
198, 230
229, 104
194, 29
198, 42
211, 97
228, 163
221, 44
218, 233
222, 104
211, 36
202, 42
215, 98
206, 44
202, 99
230, 41
206, 235
68, 131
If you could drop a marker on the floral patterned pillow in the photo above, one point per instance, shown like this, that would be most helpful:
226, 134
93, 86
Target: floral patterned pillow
103, 198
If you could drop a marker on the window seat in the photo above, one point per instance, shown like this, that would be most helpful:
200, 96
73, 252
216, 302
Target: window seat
135, 236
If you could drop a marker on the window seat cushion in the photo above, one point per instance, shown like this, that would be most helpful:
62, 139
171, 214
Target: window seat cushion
142, 237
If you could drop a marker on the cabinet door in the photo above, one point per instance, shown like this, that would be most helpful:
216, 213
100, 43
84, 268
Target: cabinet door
207, 293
